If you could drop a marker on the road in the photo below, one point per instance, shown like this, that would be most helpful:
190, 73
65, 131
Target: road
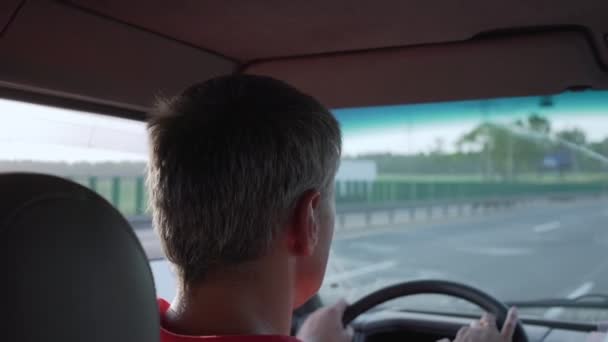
552, 249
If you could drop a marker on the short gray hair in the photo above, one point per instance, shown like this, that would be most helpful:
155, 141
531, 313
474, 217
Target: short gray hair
230, 157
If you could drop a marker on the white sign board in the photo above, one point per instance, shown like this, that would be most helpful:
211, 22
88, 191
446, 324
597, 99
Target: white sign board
357, 170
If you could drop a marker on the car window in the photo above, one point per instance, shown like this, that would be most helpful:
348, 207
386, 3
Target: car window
509, 195
107, 154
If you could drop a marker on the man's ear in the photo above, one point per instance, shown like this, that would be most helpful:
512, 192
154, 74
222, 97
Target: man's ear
303, 230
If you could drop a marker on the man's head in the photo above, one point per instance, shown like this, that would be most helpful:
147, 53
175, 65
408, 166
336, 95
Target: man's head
241, 165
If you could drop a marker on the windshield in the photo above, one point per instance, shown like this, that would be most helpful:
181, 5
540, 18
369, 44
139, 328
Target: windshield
508, 195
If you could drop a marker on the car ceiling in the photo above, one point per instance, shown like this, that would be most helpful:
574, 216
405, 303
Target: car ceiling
117, 56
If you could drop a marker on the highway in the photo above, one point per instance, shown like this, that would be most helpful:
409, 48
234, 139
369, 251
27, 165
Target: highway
541, 250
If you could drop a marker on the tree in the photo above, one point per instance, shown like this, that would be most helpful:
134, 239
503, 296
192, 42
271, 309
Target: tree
601, 147
574, 135
539, 124
494, 144
508, 151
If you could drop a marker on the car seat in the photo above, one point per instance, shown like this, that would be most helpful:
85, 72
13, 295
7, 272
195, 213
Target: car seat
71, 268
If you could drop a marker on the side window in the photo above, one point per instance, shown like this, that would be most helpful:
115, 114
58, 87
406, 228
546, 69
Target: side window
106, 154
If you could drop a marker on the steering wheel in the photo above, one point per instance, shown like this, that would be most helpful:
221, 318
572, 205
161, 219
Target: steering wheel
470, 294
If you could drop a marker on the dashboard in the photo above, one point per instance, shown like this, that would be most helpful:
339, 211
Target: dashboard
387, 325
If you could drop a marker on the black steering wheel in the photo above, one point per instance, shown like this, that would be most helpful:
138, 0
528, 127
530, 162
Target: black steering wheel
470, 294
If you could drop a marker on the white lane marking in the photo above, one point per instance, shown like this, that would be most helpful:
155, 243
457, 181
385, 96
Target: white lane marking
496, 251
381, 266
579, 291
547, 227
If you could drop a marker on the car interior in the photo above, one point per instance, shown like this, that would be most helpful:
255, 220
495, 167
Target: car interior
112, 59
94, 261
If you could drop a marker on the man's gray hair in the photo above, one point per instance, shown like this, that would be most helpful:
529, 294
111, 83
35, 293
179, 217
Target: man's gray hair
230, 157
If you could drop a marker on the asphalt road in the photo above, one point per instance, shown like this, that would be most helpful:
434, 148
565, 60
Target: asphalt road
543, 250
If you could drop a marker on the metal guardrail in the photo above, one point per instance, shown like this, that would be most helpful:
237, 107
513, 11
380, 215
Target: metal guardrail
129, 194
430, 208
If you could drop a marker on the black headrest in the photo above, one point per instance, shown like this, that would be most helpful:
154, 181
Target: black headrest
71, 268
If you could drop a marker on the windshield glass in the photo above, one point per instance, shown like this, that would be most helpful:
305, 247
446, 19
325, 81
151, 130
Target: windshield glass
508, 195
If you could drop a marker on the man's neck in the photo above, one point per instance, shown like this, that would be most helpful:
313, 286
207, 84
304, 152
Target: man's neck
254, 299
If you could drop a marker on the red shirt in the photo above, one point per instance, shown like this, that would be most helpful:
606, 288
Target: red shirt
167, 336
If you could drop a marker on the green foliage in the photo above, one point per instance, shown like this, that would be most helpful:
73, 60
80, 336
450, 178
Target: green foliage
574, 135
539, 124
600, 147
505, 150
510, 152
426, 164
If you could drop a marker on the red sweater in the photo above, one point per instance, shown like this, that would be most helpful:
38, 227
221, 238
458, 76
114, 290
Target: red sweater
167, 336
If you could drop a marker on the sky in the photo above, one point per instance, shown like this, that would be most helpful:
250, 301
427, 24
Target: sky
35, 132
416, 128
40, 133
424, 137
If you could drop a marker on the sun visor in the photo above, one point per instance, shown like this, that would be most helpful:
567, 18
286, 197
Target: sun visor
525, 64
53, 49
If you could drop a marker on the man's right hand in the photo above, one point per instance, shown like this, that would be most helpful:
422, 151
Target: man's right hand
485, 330
325, 325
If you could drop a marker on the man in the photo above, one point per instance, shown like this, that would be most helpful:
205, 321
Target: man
241, 178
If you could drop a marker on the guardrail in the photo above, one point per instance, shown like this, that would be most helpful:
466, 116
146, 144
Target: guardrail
130, 196
446, 208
